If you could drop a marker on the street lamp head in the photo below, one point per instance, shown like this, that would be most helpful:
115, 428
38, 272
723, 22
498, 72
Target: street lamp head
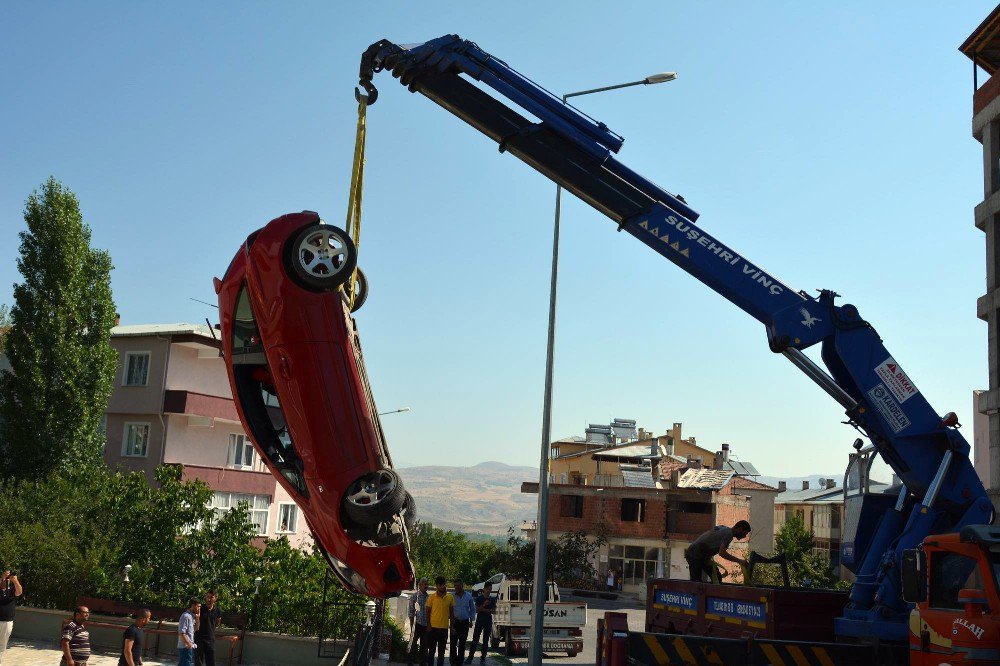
662, 77
256, 584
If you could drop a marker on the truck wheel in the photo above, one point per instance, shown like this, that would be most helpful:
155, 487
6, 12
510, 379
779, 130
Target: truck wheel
374, 498
321, 257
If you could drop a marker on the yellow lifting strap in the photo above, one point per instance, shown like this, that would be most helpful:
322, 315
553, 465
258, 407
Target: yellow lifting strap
353, 224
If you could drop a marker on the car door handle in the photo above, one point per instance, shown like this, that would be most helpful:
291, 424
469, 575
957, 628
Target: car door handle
285, 368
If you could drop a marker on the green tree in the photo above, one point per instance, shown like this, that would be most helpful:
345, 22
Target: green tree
804, 566
62, 364
4, 325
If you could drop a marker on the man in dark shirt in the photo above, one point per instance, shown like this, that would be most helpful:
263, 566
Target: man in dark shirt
486, 606
10, 590
204, 637
132, 640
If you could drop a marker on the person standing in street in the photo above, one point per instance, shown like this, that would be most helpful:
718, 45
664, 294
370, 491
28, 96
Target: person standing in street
204, 637
132, 640
486, 606
76, 639
611, 580
10, 590
417, 612
186, 628
465, 614
441, 614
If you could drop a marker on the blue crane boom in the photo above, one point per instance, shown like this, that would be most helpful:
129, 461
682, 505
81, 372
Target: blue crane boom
941, 492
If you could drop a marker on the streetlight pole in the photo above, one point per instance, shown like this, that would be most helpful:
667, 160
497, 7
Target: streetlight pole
395, 411
541, 531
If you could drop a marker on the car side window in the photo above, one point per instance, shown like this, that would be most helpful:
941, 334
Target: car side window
259, 397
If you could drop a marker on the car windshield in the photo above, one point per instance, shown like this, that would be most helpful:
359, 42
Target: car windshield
246, 337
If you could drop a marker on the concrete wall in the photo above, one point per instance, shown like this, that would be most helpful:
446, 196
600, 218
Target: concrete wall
189, 372
260, 649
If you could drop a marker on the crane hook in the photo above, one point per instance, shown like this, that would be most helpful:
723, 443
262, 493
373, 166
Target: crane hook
369, 96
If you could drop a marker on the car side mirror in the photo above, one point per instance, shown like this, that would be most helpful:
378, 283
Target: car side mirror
913, 575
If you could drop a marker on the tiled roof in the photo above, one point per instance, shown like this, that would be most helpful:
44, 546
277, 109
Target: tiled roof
705, 479
822, 495
669, 466
750, 484
637, 477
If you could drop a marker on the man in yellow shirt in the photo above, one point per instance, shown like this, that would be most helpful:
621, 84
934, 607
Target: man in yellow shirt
441, 616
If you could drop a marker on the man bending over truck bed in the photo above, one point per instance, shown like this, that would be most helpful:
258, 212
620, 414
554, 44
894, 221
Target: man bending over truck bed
714, 542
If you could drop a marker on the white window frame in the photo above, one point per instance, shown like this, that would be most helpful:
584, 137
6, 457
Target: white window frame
130, 354
125, 443
293, 528
232, 501
240, 441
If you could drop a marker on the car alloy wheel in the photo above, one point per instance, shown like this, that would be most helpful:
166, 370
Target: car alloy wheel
321, 257
374, 498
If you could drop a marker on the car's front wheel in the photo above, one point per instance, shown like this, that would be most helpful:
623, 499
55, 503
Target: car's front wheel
374, 498
321, 257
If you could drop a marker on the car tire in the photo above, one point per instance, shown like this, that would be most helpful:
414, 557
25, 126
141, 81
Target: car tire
320, 257
360, 290
374, 498
410, 512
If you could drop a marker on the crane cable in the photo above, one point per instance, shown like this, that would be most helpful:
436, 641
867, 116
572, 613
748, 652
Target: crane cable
353, 224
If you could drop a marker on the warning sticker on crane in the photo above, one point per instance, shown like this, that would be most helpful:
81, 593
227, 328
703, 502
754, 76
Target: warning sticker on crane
897, 381
890, 409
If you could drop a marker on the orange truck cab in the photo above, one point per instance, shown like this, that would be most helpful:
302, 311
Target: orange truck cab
954, 582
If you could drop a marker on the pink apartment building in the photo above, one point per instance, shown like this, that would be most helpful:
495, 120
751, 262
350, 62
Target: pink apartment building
172, 404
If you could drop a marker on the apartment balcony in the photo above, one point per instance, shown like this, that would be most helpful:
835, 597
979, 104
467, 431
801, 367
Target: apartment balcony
201, 410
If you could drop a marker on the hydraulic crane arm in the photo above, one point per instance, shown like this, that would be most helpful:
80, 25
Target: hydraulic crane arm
942, 492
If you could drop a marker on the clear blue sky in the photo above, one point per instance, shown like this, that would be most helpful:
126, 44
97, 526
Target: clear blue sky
830, 143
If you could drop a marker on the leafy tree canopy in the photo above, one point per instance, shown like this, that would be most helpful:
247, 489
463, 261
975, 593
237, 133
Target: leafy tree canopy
62, 365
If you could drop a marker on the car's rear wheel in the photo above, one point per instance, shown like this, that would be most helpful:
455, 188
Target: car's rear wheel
321, 257
374, 498
360, 290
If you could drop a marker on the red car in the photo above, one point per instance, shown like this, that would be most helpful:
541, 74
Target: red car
300, 386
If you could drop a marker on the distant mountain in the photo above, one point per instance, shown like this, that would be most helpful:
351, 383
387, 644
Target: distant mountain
485, 498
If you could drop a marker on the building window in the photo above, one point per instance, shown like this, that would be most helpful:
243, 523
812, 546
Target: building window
835, 517
633, 510
241, 452
288, 515
136, 369
135, 442
256, 506
633, 565
570, 506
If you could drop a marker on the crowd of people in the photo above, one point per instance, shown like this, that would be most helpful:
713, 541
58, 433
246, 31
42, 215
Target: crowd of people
195, 629
442, 617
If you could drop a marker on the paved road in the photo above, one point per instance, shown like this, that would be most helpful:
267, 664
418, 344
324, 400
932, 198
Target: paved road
595, 609
20, 653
